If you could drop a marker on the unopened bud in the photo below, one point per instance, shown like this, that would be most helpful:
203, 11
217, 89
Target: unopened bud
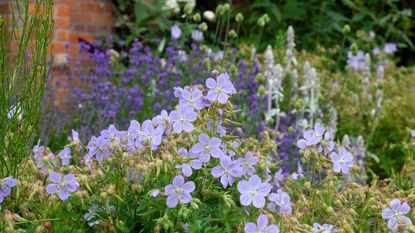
239, 18
232, 34
346, 29
197, 17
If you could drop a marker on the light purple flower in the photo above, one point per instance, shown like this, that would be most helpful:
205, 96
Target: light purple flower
328, 144
44, 159
65, 156
98, 147
253, 191
162, 120
220, 89
227, 171
390, 48
75, 137
197, 35
311, 137
281, 200
112, 134
175, 32
342, 161
150, 135
62, 186
182, 119
195, 163
133, 131
248, 163
261, 226
357, 62
376, 51
193, 98
179, 191
207, 147
6, 186
91, 215
396, 214
325, 228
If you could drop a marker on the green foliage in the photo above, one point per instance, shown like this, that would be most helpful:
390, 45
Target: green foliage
23, 72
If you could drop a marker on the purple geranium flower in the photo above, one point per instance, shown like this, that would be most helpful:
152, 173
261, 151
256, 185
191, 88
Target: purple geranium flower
65, 156
197, 35
133, 131
195, 163
175, 32
248, 163
311, 137
162, 120
207, 147
62, 186
282, 200
227, 171
253, 191
342, 161
193, 98
357, 62
43, 158
182, 119
396, 214
220, 89
150, 135
6, 186
390, 48
179, 191
98, 147
261, 226
75, 137
112, 134
325, 228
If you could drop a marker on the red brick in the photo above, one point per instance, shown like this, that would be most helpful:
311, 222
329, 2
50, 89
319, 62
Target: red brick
99, 19
4, 9
63, 11
80, 17
62, 35
79, 28
62, 23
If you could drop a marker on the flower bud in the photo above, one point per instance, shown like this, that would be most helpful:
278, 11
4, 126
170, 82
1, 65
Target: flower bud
188, 8
197, 17
346, 29
203, 26
220, 10
261, 91
354, 49
239, 18
259, 78
261, 22
40, 229
232, 34
209, 16
103, 196
226, 7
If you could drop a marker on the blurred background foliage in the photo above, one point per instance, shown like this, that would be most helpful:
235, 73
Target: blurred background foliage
316, 22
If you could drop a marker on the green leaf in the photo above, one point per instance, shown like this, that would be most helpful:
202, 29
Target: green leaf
140, 11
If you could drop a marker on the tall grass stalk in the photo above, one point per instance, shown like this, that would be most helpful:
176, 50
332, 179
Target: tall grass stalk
24, 67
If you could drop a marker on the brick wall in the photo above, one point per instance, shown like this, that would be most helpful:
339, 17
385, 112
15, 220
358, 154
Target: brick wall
88, 19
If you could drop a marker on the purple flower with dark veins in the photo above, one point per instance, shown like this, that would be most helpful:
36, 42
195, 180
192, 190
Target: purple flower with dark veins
62, 186
261, 226
193, 98
179, 191
112, 134
162, 120
342, 161
220, 89
396, 214
182, 119
253, 191
248, 163
227, 171
150, 135
311, 137
207, 147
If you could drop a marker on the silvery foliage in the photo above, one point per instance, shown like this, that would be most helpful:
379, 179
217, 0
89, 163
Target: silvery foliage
311, 91
358, 148
366, 77
274, 75
379, 91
